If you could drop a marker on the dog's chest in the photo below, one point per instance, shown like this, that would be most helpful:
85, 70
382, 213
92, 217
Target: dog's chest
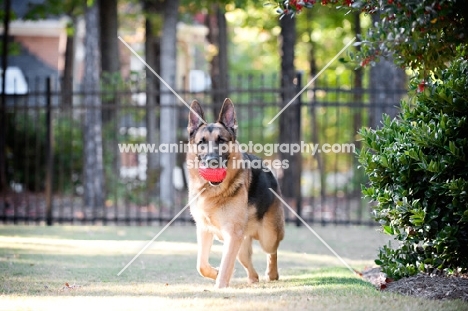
211, 224
209, 219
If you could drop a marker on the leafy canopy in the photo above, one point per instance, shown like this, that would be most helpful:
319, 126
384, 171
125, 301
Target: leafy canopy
422, 35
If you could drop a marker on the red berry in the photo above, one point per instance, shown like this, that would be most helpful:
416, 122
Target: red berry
421, 86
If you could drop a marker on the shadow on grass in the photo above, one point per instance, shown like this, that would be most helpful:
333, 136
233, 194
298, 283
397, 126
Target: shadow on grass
330, 281
170, 276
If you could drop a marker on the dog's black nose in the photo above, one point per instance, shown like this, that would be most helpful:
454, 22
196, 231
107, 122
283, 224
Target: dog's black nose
212, 161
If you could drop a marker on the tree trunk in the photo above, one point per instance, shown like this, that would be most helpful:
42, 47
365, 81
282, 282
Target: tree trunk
290, 119
110, 61
152, 58
67, 78
168, 123
357, 97
217, 35
386, 83
93, 160
314, 126
358, 178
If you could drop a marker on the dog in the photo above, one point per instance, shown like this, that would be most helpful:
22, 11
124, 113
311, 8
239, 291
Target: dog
236, 210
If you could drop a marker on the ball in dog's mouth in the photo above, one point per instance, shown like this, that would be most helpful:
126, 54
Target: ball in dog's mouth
213, 175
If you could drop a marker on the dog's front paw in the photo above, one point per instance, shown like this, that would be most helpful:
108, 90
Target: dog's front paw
272, 276
252, 278
208, 272
220, 285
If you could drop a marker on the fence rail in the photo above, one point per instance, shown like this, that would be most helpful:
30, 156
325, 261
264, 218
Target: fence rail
45, 146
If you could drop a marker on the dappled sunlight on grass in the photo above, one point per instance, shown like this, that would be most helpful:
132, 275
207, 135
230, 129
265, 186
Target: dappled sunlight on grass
84, 247
174, 233
34, 270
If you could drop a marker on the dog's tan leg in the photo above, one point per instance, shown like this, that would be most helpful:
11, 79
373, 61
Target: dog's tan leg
245, 258
269, 242
270, 235
271, 273
205, 240
232, 243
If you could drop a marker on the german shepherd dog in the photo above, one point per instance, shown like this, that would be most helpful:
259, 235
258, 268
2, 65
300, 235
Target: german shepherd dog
236, 210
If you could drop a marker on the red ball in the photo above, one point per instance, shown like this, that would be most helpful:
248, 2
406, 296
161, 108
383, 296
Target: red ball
212, 174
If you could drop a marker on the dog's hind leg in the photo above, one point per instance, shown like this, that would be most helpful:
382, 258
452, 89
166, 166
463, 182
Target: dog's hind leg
271, 273
270, 235
205, 241
245, 258
270, 246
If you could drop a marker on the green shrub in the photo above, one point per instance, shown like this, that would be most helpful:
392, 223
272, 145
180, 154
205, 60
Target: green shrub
26, 151
418, 177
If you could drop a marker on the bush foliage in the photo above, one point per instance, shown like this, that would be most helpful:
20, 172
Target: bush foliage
26, 149
422, 33
418, 177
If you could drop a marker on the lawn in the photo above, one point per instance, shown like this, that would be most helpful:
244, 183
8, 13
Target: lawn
36, 262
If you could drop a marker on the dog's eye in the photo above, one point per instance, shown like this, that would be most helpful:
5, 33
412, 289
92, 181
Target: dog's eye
201, 141
221, 140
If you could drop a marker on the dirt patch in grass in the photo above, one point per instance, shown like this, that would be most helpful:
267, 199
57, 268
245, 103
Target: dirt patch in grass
422, 285
431, 287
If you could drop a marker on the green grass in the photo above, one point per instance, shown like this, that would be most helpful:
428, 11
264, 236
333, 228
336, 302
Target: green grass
36, 262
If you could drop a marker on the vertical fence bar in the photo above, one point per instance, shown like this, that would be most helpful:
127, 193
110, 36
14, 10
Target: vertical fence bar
49, 152
338, 93
323, 139
16, 146
68, 112
62, 144
3, 181
299, 116
27, 165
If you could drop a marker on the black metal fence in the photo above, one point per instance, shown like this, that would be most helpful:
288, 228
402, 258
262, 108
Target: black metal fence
45, 146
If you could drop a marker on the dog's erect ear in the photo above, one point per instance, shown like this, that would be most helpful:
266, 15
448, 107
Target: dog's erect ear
227, 115
196, 117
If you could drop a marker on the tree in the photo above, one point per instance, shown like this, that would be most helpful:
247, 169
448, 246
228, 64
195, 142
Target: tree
168, 122
290, 125
109, 25
217, 36
153, 59
320, 49
424, 34
73, 9
93, 159
109, 46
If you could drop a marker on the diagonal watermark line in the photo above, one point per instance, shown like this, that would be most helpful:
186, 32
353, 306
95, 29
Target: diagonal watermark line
160, 232
313, 231
313, 79
159, 77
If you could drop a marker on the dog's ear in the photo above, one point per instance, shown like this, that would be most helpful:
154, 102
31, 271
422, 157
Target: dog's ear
227, 115
196, 117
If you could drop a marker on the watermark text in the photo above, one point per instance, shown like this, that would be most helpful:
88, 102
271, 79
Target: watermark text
265, 149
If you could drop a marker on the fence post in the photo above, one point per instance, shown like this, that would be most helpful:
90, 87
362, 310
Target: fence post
49, 152
4, 65
299, 106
